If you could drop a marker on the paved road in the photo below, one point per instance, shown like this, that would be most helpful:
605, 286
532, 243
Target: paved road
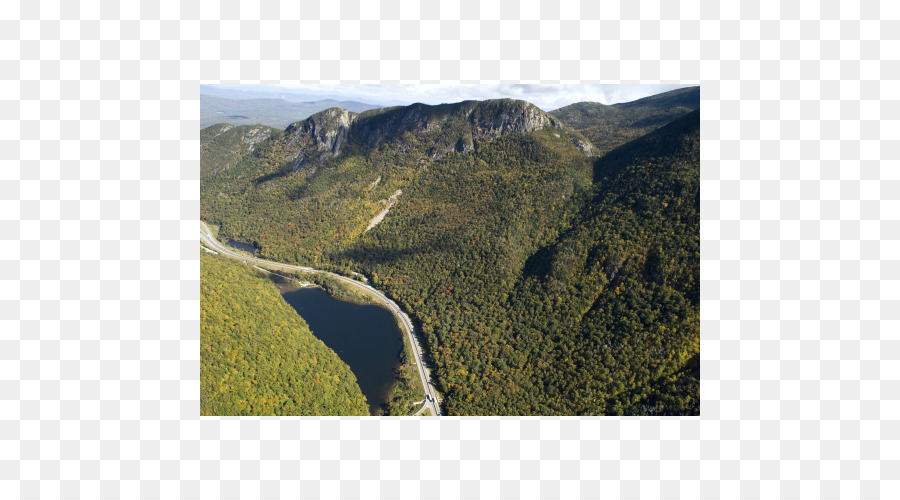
207, 238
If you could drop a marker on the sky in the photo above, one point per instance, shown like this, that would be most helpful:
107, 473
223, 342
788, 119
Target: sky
547, 97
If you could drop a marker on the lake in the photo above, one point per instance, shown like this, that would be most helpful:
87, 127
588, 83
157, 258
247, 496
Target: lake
241, 246
366, 337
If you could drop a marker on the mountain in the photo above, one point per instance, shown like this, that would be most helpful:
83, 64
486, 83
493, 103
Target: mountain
545, 279
271, 111
608, 127
540, 300
258, 356
629, 270
222, 145
337, 170
439, 130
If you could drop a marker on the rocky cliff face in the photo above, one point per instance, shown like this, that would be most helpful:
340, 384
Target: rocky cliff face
439, 129
254, 135
493, 119
319, 137
465, 122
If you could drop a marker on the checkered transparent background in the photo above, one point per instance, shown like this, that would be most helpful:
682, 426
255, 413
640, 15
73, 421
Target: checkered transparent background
99, 271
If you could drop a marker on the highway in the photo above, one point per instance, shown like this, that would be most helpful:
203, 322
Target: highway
431, 402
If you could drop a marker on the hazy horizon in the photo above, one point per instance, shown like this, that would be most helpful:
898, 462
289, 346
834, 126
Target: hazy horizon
546, 97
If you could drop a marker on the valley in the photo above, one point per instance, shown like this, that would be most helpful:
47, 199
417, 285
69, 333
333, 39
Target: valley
413, 348
259, 357
544, 274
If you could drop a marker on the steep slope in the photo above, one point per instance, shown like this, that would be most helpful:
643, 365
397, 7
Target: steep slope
222, 145
546, 281
536, 303
318, 138
626, 280
258, 356
311, 190
457, 127
608, 127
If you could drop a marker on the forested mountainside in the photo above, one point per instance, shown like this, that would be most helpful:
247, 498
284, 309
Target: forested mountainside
546, 280
539, 302
222, 145
308, 193
258, 356
615, 300
608, 127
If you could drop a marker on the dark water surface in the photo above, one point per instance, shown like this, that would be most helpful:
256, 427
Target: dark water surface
241, 246
366, 337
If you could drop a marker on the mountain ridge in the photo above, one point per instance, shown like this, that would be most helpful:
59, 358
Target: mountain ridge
544, 280
610, 126
456, 127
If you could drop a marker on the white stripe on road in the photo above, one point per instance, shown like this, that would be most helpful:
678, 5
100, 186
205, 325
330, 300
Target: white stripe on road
424, 374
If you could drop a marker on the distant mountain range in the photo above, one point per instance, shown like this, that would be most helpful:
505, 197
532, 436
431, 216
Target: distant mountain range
307, 94
275, 106
273, 112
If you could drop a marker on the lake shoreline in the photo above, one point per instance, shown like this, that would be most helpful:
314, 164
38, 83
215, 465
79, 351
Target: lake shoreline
411, 382
368, 339
398, 382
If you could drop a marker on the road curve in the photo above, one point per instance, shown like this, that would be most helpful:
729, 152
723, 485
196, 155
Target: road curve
207, 238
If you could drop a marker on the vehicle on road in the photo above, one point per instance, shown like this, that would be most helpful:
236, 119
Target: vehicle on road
206, 237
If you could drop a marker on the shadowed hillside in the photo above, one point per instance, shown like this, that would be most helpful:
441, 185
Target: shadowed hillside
608, 127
